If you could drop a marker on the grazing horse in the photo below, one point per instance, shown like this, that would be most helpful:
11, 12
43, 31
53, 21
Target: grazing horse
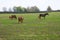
43, 15
20, 19
13, 17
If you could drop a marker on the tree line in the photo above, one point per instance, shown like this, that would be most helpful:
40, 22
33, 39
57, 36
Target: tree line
20, 9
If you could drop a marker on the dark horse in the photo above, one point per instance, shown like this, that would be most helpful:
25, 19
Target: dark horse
13, 17
43, 15
20, 19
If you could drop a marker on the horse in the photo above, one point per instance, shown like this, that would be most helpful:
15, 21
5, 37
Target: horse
20, 19
13, 17
43, 15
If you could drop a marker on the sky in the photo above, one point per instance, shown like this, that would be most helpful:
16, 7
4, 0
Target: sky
41, 4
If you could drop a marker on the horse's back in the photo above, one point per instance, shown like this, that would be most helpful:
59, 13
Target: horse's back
13, 16
42, 15
20, 18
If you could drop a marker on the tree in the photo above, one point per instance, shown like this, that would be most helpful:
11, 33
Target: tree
24, 10
18, 9
10, 10
4, 9
14, 9
28, 9
34, 9
49, 8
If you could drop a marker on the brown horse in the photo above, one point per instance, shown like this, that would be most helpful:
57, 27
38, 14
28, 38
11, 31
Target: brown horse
20, 19
13, 17
43, 15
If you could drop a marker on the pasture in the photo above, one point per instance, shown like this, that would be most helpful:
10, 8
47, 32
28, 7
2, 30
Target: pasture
32, 28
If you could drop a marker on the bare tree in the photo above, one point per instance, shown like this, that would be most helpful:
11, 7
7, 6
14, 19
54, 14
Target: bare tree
4, 9
49, 8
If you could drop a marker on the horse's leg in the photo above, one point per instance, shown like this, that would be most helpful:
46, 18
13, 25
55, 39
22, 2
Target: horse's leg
15, 17
18, 21
44, 17
11, 18
21, 21
39, 17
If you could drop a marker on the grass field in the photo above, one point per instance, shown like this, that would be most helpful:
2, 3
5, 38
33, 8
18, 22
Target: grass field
32, 28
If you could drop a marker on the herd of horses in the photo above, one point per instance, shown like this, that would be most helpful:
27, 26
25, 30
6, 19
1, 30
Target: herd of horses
20, 18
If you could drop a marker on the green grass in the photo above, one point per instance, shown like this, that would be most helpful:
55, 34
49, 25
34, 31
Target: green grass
32, 28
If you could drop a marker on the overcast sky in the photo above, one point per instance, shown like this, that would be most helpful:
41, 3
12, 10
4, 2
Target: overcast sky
41, 4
